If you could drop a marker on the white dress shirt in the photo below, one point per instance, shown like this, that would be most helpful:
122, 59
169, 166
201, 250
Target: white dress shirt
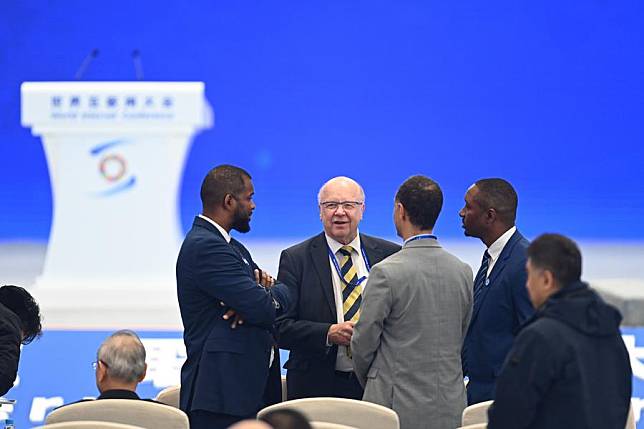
343, 362
227, 236
497, 247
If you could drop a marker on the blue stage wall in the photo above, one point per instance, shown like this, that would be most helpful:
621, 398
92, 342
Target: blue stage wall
548, 95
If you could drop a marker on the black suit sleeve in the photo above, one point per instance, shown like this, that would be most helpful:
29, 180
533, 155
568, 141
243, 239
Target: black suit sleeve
304, 335
220, 274
10, 338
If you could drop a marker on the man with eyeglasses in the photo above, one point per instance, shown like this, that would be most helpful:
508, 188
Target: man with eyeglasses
326, 276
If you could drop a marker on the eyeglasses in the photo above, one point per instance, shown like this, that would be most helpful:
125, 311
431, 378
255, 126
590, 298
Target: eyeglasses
95, 364
346, 205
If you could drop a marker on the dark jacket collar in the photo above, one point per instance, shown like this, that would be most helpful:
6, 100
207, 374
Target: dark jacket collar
202, 223
118, 394
582, 309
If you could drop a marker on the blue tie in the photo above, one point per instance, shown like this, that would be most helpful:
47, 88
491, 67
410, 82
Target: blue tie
481, 276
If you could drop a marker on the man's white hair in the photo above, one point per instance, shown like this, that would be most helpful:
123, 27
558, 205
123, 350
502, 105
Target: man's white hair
340, 179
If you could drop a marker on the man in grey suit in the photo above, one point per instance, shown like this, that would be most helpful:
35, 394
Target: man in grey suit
415, 313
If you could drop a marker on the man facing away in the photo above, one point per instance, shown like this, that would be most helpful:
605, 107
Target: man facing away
326, 275
226, 372
416, 309
501, 302
120, 366
568, 367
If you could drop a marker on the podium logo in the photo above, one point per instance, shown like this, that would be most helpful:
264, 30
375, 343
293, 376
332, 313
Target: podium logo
113, 167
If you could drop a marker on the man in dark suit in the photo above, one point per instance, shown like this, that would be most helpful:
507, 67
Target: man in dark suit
501, 302
325, 276
224, 378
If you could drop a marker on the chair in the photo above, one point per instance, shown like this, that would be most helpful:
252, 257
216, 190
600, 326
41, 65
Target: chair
327, 425
127, 411
169, 396
476, 426
86, 424
284, 395
630, 422
476, 413
348, 412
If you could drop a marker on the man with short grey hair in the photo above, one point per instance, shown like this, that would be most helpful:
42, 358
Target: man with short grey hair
120, 366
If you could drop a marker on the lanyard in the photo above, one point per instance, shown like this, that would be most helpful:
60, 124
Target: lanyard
339, 271
421, 236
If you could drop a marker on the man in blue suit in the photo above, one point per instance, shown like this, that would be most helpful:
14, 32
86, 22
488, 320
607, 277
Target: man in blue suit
501, 302
225, 374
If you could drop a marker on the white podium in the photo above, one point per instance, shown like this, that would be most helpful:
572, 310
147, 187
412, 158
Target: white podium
115, 152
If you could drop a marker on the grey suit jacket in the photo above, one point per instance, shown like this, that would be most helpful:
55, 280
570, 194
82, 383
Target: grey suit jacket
407, 343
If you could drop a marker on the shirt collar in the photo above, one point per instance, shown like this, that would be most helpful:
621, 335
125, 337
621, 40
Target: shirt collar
335, 245
414, 236
227, 236
497, 247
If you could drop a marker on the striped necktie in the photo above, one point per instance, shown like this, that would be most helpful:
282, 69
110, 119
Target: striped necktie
351, 291
481, 276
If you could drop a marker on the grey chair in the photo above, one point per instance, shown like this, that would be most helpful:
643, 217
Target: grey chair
145, 414
83, 424
347, 412
169, 396
475, 414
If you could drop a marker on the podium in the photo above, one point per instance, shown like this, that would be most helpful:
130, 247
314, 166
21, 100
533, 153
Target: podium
115, 153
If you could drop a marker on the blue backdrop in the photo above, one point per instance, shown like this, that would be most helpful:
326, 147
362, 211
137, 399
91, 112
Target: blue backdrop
548, 95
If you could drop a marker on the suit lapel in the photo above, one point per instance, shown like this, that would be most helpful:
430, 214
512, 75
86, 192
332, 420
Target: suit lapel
374, 253
320, 257
498, 268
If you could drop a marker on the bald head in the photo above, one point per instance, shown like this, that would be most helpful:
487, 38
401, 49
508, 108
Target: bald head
341, 183
341, 202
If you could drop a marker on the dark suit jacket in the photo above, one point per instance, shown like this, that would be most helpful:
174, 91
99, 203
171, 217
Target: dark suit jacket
10, 339
226, 369
305, 269
504, 307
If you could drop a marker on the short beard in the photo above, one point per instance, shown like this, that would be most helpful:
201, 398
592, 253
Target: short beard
241, 224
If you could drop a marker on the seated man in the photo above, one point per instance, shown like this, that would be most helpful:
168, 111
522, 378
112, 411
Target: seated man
19, 324
120, 366
568, 367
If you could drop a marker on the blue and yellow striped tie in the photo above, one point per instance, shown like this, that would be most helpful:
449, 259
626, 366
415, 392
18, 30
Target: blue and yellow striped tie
351, 291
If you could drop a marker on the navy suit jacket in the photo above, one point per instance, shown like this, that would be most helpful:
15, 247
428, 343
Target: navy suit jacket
226, 369
504, 307
303, 328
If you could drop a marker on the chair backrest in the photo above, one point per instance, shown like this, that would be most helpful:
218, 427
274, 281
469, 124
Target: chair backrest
85, 424
127, 411
476, 413
348, 412
169, 396
630, 422
327, 425
476, 426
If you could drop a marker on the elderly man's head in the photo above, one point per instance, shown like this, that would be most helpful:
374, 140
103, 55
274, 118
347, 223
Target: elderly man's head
120, 362
342, 203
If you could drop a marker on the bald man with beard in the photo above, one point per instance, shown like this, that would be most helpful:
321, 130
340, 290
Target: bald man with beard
325, 276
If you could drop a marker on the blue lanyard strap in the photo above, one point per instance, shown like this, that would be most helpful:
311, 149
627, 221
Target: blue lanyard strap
421, 236
339, 271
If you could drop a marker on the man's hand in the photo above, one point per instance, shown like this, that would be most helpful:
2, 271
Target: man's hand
340, 333
231, 314
264, 279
